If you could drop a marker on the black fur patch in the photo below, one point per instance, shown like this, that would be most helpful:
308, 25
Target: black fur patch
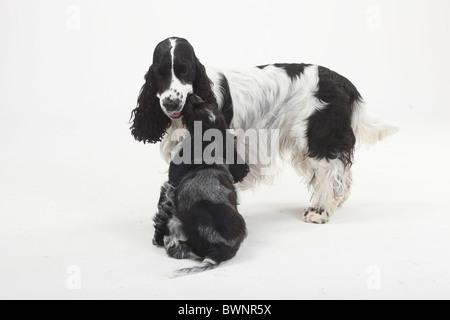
227, 107
166, 206
220, 217
293, 70
330, 135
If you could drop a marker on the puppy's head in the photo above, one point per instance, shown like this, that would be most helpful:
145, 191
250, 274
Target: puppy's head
198, 110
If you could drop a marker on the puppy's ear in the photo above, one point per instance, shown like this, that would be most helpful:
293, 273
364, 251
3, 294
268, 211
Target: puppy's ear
192, 101
149, 121
191, 111
203, 85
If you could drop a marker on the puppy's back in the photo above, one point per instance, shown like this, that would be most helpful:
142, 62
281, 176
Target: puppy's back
207, 207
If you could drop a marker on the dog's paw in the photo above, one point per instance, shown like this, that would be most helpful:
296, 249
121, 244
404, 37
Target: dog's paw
177, 249
316, 215
158, 239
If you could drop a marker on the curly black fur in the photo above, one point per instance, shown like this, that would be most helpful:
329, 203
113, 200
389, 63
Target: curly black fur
203, 85
149, 121
330, 134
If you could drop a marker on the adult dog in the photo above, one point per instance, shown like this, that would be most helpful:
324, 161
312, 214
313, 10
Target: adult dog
319, 116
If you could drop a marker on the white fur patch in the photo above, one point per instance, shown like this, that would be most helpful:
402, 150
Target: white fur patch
270, 99
177, 90
369, 129
329, 181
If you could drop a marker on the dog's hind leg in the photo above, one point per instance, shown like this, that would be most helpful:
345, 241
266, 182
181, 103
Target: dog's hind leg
178, 249
330, 182
165, 212
175, 243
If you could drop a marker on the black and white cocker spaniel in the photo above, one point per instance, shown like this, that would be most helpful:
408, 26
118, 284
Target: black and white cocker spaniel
318, 117
197, 214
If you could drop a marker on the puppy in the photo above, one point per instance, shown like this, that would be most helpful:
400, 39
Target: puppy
197, 213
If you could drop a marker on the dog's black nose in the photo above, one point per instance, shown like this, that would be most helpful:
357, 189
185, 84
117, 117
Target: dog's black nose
171, 105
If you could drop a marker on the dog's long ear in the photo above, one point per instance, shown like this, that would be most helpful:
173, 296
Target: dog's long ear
149, 121
203, 85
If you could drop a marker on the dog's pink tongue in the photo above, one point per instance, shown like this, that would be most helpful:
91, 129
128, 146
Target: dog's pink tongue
176, 115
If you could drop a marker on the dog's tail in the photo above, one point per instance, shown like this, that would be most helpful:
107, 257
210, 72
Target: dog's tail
207, 264
367, 128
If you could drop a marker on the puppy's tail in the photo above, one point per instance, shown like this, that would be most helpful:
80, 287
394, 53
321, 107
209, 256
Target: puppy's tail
367, 128
207, 264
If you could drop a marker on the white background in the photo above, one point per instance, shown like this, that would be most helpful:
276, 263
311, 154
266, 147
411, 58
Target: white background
77, 193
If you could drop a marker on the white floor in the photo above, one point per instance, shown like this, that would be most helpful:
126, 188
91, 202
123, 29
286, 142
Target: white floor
77, 222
